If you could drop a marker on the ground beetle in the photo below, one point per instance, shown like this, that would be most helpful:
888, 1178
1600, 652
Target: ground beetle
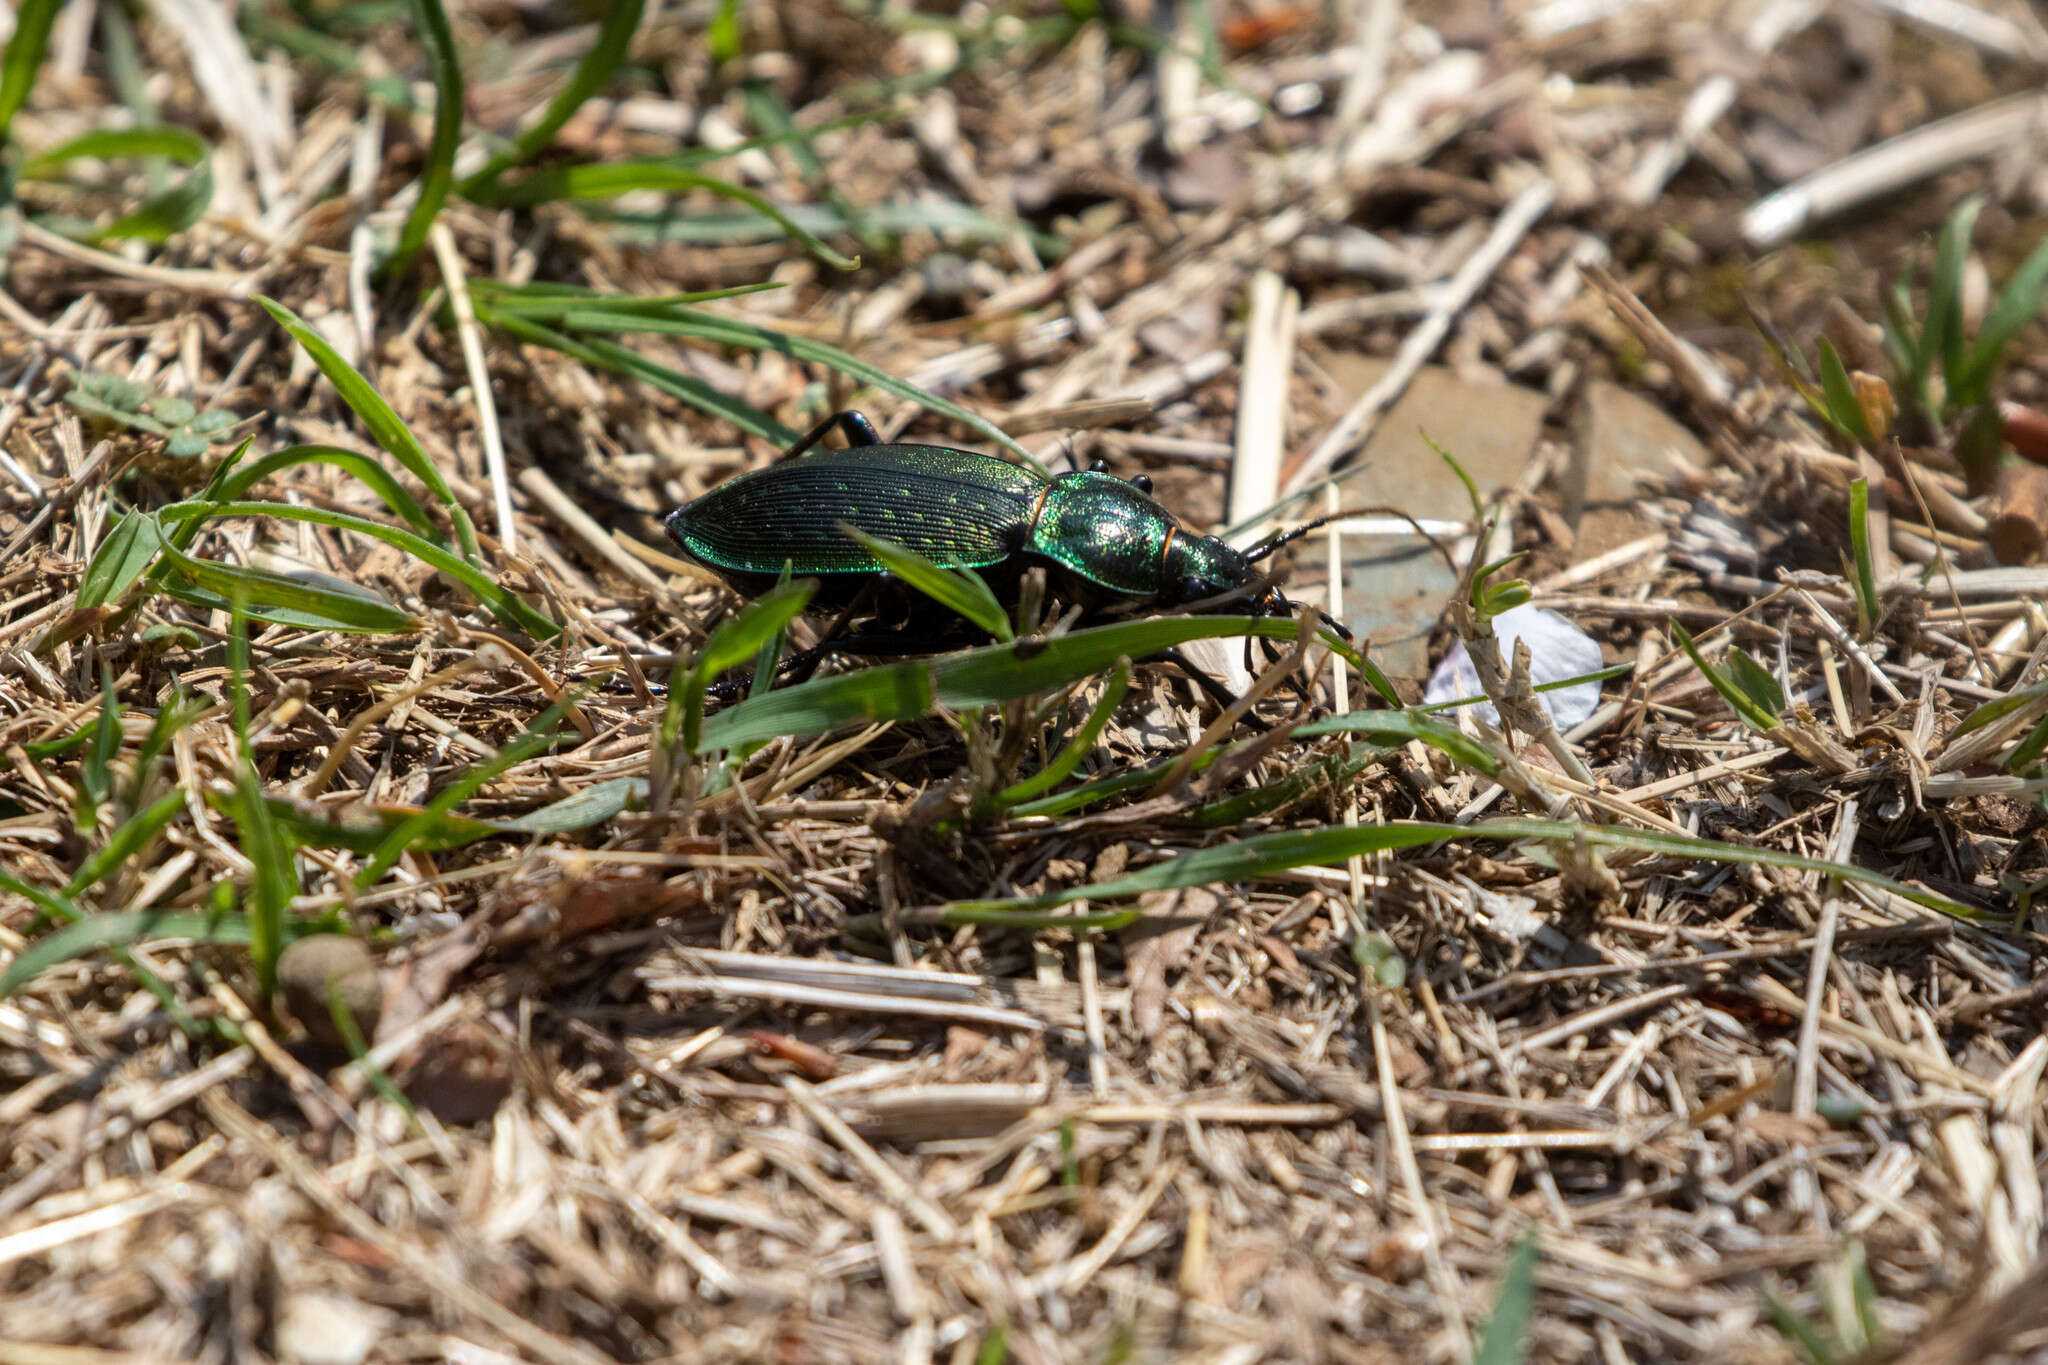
1102, 540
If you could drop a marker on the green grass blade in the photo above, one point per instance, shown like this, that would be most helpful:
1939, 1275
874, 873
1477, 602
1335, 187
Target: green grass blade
372, 474
1102, 789
1394, 728
1232, 811
49, 902
545, 301
976, 677
313, 601
1998, 709
438, 174
384, 425
1901, 336
96, 768
614, 35
309, 618
268, 849
506, 606
172, 211
770, 655
1843, 411
48, 749
748, 336
1752, 715
1941, 340
1865, 560
1756, 682
2025, 754
130, 838
24, 56
364, 832
601, 316
723, 36
173, 716
768, 113
961, 590
2019, 303
91, 933
592, 806
128, 550
734, 641
1508, 1324
607, 355
609, 180
1378, 681
1075, 749
125, 71
358, 1048
531, 741
738, 638
1597, 675
1268, 853
1800, 1332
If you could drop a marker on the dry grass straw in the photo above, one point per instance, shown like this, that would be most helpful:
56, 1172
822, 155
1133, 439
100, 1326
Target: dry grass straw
659, 1104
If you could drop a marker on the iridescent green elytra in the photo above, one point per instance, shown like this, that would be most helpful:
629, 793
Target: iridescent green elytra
1103, 539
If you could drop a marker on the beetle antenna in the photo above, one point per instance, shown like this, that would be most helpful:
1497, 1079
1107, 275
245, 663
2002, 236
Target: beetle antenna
1280, 539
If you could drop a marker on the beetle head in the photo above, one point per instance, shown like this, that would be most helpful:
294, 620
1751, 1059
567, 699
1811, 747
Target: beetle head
1199, 567
1203, 566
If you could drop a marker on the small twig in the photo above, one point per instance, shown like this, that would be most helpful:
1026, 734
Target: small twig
899, 1191
1712, 98
1941, 558
1262, 404
214, 283
471, 336
1806, 1059
365, 160
1402, 1152
1845, 642
1357, 424
584, 527
1862, 176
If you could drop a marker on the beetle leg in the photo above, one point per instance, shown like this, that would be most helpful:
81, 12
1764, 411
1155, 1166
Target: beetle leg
859, 431
803, 664
799, 667
811, 438
892, 644
1214, 690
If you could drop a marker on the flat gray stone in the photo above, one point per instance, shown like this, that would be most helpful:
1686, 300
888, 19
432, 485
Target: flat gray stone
1620, 442
1490, 428
1396, 586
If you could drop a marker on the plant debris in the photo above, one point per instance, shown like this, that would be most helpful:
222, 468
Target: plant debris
1011, 1005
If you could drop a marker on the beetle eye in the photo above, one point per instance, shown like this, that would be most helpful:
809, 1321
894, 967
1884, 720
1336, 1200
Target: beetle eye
1143, 483
1098, 466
